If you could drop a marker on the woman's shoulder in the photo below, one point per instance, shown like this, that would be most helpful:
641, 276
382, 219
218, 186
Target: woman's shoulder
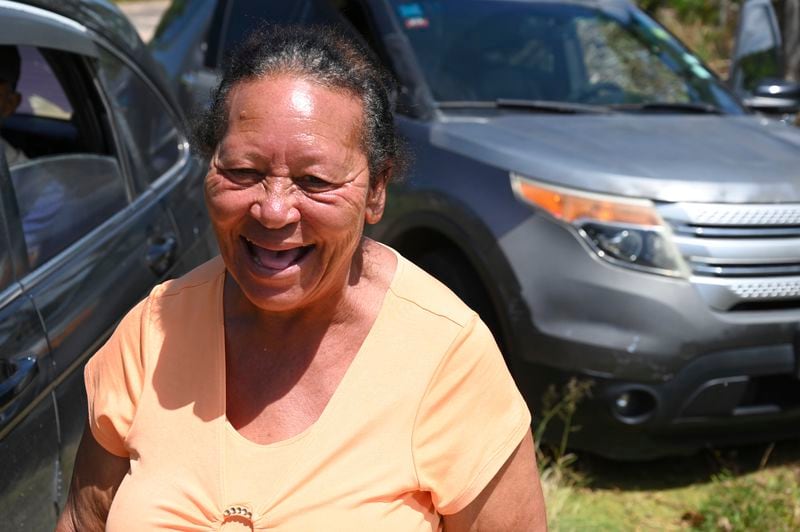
416, 288
202, 277
189, 298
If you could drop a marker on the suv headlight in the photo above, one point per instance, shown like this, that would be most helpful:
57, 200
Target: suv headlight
623, 231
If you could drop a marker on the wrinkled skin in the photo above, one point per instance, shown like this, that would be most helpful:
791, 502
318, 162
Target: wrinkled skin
290, 177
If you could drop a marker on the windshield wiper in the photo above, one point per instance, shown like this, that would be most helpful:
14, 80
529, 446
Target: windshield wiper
546, 106
676, 107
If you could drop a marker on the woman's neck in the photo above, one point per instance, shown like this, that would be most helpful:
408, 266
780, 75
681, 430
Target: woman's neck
343, 302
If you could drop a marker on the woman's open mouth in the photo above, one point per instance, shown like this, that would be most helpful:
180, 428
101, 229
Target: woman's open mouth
277, 260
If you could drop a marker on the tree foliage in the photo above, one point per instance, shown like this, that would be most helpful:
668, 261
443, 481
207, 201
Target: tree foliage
705, 11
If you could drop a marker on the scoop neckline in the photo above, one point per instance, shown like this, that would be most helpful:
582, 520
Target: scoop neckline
336, 397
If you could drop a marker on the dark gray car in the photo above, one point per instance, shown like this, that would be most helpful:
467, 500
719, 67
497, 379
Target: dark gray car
611, 209
104, 203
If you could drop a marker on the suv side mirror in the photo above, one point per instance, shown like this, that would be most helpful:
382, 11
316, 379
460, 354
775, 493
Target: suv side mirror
774, 96
758, 48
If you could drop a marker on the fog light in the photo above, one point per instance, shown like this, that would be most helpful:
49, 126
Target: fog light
623, 401
634, 406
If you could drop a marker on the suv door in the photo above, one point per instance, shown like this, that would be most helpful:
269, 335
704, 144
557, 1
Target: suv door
28, 425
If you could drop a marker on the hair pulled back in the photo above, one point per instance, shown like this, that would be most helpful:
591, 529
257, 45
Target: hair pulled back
322, 55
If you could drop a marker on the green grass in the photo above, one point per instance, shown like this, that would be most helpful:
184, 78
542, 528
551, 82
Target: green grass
754, 488
755, 502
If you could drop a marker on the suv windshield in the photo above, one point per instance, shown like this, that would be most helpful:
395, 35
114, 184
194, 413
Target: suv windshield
578, 53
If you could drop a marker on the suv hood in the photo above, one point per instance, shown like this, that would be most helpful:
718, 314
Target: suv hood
705, 158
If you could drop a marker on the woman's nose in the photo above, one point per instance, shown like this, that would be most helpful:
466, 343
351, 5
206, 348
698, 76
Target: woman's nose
276, 205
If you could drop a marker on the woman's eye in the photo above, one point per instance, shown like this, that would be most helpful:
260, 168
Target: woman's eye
242, 175
314, 183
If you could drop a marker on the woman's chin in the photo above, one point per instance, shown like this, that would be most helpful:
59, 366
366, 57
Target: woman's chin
271, 289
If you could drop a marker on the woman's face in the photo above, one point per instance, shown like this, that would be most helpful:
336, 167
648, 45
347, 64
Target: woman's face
288, 191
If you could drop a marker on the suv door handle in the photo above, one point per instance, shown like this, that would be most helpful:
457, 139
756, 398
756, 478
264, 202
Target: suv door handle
160, 254
22, 371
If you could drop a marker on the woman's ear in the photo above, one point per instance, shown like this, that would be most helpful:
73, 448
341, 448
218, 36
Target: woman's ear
376, 198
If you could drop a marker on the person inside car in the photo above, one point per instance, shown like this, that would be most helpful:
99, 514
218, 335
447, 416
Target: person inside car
9, 97
309, 378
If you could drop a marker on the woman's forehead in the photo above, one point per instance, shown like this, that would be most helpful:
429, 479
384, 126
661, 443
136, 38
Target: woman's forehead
289, 113
288, 105
294, 95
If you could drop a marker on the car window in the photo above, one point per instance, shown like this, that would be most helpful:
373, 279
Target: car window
46, 122
612, 55
65, 177
233, 19
587, 53
62, 198
176, 18
42, 94
146, 125
358, 19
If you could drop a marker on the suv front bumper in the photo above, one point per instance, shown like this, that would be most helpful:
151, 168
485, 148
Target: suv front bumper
669, 372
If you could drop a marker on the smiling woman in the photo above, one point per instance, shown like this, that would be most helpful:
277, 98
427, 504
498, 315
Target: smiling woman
310, 379
289, 192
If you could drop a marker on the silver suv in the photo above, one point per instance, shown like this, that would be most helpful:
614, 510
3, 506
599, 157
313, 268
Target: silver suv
608, 205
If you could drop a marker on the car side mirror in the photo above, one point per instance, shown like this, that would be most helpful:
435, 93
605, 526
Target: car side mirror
774, 96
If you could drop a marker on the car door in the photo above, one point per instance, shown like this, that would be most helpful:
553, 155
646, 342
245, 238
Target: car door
96, 232
28, 424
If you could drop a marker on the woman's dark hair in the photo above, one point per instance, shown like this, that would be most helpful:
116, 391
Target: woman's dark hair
327, 57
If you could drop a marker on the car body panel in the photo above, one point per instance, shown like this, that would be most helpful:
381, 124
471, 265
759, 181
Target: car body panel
664, 158
28, 427
61, 306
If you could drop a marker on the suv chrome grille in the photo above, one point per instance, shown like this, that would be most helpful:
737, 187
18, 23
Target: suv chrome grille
726, 215
707, 231
767, 290
739, 253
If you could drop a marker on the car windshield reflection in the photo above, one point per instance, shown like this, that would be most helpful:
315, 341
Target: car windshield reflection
489, 51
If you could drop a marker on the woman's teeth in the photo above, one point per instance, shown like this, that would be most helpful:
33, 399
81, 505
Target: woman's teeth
275, 260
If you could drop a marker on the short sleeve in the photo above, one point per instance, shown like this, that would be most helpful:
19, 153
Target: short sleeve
470, 420
114, 377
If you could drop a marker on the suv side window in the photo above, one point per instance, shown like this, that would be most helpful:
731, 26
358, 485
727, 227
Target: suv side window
65, 178
234, 19
355, 19
354, 13
147, 128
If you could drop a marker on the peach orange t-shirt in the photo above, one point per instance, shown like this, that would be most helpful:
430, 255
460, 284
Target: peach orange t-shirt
423, 419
